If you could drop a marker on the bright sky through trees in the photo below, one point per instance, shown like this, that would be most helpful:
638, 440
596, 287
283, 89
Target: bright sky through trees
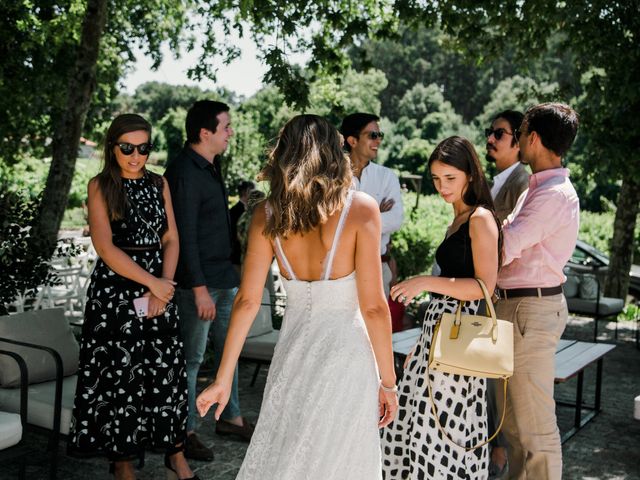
242, 76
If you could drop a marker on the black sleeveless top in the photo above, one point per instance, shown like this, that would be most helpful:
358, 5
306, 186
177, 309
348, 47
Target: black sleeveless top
145, 219
454, 255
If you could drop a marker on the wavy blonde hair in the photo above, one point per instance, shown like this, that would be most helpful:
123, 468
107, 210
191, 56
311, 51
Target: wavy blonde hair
309, 176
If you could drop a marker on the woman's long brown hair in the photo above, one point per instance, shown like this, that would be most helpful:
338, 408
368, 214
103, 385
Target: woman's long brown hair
309, 176
459, 153
110, 179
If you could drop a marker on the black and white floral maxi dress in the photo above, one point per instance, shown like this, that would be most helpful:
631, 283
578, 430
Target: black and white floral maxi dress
132, 391
413, 447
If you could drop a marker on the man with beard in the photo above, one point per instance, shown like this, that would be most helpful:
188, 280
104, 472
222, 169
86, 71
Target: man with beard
503, 150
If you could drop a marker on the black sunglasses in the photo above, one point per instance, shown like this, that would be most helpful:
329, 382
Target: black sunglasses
373, 135
498, 133
517, 134
128, 148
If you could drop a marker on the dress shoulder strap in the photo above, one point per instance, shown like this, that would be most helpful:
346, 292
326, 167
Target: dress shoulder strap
279, 251
337, 234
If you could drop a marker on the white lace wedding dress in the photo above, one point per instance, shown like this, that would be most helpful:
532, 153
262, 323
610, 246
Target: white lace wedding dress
319, 415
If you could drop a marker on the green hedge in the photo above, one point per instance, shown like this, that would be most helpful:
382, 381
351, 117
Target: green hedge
414, 245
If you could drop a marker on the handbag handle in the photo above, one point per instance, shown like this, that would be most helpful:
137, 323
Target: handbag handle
490, 311
494, 335
446, 435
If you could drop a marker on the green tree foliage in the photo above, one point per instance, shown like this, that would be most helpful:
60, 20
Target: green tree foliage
155, 99
426, 119
246, 154
35, 45
355, 92
516, 93
425, 54
415, 244
88, 44
602, 37
172, 127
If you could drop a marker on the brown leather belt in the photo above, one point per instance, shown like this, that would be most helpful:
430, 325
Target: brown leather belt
529, 292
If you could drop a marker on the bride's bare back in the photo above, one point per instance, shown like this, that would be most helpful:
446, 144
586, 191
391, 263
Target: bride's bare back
309, 254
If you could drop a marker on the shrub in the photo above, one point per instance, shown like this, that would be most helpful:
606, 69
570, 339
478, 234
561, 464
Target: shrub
22, 257
415, 244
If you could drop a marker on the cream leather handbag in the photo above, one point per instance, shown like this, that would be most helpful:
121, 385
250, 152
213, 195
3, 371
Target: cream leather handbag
472, 345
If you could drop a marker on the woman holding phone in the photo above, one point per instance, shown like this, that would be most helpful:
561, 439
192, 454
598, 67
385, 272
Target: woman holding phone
131, 393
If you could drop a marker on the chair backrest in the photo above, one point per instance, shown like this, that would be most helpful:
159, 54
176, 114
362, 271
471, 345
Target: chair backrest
48, 328
582, 282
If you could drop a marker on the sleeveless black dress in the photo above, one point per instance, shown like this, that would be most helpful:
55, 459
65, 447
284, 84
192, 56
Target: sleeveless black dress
412, 446
132, 391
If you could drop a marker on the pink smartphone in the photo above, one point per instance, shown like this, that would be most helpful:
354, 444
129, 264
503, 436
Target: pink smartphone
141, 306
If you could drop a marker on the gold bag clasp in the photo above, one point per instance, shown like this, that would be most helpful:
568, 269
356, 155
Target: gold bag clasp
455, 331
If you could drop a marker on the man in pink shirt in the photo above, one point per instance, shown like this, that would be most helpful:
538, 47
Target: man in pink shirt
539, 237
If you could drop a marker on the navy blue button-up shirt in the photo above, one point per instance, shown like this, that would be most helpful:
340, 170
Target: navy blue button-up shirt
201, 209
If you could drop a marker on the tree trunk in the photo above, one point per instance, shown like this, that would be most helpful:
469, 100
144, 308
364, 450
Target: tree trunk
617, 282
68, 127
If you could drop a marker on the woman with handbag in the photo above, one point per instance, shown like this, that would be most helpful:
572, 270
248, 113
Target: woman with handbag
417, 444
132, 386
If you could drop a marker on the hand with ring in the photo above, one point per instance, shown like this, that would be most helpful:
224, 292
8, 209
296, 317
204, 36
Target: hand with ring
405, 291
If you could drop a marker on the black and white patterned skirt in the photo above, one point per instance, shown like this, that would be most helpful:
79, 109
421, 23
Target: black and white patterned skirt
413, 446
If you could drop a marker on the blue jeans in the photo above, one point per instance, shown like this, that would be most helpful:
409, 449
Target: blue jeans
195, 333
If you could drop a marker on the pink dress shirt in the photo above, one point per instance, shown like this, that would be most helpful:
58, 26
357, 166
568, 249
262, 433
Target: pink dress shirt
541, 233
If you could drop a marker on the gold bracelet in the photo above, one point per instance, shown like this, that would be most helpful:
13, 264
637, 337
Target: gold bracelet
393, 389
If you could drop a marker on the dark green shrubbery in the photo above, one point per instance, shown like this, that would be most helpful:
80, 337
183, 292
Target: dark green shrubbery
22, 257
414, 245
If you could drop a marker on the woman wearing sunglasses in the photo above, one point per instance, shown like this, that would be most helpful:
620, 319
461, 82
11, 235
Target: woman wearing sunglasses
132, 392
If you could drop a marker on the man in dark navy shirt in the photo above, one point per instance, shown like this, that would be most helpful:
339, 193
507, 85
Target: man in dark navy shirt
207, 280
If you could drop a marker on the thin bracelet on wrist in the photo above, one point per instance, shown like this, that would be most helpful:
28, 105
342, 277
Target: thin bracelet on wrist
393, 389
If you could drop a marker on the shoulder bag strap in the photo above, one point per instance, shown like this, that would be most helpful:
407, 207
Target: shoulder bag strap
491, 312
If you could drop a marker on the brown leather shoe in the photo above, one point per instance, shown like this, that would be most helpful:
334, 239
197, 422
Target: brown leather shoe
196, 450
244, 432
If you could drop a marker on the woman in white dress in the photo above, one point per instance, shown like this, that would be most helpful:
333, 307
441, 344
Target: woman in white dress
331, 383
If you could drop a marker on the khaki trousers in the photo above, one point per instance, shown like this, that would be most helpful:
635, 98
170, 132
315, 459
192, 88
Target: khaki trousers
530, 425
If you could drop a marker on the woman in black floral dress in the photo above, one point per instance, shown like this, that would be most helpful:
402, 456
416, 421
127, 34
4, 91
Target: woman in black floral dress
132, 391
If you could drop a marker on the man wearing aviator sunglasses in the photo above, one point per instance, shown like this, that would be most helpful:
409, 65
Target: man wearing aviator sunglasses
362, 139
503, 150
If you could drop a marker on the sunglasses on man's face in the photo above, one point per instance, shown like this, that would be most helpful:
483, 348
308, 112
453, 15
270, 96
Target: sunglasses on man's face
498, 132
128, 148
374, 135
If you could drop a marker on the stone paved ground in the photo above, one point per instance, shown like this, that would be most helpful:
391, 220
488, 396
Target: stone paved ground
608, 448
